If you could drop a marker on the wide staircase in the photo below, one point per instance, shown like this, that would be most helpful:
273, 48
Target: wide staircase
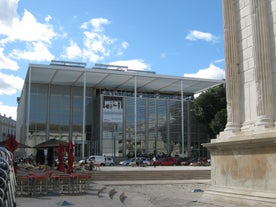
150, 175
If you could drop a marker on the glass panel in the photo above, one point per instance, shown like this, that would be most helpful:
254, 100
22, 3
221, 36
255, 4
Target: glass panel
38, 113
140, 127
38, 103
161, 124
129, 124
175, 127
152, 125
59, 112
157, 126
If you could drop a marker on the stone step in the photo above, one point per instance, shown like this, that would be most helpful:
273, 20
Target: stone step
151, 175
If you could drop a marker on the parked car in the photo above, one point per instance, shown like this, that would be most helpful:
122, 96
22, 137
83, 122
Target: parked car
109, 161
128, 162
189, 161
142, 161
146, 161
168, 161
200, 162
96, 159
181, 159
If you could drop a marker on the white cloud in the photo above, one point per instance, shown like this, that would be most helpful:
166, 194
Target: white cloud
7, 63
219, 61
95, 41
96, 44
97, 24
37, 51
73, 51
198, 35
124, 45
8, 11
212, 72
9, 111
48, 18
135, 64
26, 29
10, 84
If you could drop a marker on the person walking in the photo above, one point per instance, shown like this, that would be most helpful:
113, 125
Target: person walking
154, 161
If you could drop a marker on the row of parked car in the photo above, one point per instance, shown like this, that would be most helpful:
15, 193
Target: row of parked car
166, 161
98, 159
144, 161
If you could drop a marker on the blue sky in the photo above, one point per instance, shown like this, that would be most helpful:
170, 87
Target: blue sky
172, 37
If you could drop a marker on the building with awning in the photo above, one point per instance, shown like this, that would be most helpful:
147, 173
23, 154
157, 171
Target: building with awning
107, 109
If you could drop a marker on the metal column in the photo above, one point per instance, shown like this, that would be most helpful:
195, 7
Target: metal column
83, 114
135, 118
28, 106
182, 119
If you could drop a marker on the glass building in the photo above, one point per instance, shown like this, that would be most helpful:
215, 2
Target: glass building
110, 110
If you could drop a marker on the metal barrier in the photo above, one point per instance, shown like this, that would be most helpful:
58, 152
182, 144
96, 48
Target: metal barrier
7, 179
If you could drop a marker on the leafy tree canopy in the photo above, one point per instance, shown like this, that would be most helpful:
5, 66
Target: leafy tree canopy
210, 109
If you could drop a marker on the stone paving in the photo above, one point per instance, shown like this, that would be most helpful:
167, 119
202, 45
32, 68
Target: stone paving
161, 193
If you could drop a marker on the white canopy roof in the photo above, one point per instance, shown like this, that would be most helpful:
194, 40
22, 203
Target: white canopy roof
116, 79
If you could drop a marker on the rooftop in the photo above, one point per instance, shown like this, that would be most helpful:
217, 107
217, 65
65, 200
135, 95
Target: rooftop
115, 78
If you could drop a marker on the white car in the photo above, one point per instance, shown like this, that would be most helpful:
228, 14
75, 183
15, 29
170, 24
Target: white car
109, 161
96, 159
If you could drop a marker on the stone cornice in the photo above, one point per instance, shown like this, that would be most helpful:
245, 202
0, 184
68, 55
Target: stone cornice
241, 144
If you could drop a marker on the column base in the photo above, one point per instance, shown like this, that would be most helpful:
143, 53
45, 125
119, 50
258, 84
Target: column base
264, 122
242, 170
238, 197
232, 127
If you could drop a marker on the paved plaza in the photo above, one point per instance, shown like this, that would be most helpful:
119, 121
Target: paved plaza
160, 193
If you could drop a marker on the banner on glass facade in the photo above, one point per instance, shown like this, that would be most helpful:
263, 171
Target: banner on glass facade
113, 109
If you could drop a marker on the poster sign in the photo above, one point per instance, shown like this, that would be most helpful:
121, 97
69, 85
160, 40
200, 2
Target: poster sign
113, 109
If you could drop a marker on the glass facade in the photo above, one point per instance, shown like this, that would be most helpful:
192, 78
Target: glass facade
57, 112
158, 126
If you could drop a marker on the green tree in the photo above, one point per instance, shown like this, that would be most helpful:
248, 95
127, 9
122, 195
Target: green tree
210, 109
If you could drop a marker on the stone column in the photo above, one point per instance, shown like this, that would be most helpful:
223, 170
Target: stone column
232, 65
262, 57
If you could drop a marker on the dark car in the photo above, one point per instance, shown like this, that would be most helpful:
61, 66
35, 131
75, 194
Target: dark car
168, 161
143, 161
181, 159
189, 161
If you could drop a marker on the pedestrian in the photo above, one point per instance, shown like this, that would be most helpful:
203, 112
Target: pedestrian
154, 161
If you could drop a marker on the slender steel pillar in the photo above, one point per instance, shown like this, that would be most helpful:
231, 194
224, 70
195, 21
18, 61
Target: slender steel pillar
83, 114
182, 119
135, 118
28, 105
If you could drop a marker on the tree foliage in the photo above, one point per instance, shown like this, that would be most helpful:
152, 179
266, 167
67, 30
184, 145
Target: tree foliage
210, 109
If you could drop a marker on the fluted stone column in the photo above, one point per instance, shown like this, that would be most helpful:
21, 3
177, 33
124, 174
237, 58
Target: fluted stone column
262, 57
243, 171
232, 65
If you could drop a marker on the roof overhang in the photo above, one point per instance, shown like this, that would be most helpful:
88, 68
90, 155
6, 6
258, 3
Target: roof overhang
117, 80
